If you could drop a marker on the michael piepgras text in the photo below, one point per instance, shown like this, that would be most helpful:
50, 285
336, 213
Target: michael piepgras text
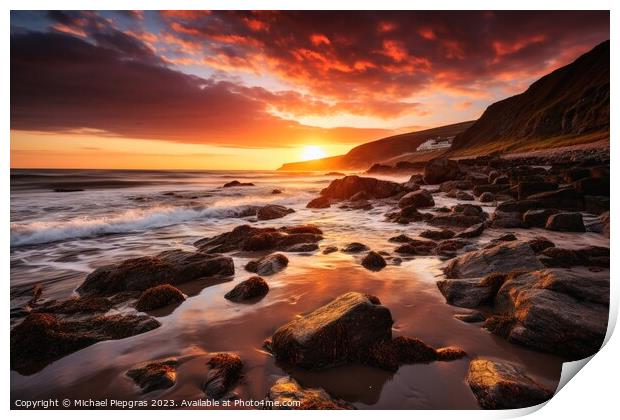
149, 404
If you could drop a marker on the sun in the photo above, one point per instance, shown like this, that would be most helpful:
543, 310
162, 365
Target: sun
312, 152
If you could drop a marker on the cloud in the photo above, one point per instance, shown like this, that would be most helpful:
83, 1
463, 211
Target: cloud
62, 83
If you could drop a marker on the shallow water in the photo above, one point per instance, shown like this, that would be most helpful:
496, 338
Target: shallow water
58, 238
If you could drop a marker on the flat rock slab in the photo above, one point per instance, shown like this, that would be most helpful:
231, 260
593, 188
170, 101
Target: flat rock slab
503, 386
466, 293
502, 258
333, 334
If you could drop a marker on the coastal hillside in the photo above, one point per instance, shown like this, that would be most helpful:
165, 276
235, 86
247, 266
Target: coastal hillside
378, 151
568, 106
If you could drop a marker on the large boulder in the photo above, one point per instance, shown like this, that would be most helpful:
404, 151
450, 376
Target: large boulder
501, 385
42, 338
537, 218
138, 274
466, 293
417, 199
566, 222
502, 258
347, 187
248, 238
440, 170
333, 334
287, 394
559, 311
373, 261
272, 211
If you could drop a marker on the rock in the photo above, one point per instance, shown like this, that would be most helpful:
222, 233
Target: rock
330, 249
347, 187
248, 238
391, 354
537, 218
138, 274
472, 231
450, 353
236, 183
276, 191
486, 197
566, 222
500, 385
575, 174
596, 204
286, 393
440, 170
593, 186
252, 288
455, 185
437, 234
490, 188
355, 247
358, 205
563, 199
417, 199
507, 237
461, 215
507, 220
158, 297
407, 215
539, 244
333, 334
501, 179
592, 256
450, 246
466, 293
402, 238
154, 375
501, 258
526, 189
272, 211
362, 195
559, 311
417, 247
42, 338
319, 203
471, 317
223, 375
303, 248
605, 220
462, 195
72, 306
373, 261
268, 265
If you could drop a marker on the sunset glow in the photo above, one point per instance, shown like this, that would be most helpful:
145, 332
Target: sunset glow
312, 152
221, 87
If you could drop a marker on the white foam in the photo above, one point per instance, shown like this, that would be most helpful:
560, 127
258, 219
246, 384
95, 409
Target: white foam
134, 220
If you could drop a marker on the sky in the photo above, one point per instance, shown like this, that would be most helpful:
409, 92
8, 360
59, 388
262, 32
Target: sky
253, 90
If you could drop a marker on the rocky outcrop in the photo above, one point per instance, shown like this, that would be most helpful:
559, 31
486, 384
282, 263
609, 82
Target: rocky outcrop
440, 170
268, 265
319, 203
272, 211
417, 199
467, 293
248, 238
501, 385
236, 183
252, 288
223, 375
138, 274
333, 334
287, 394
42, 338
158, 297
347, 187
502, 258
155, 375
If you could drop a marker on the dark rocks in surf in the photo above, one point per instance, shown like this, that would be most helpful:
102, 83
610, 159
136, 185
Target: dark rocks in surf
440, 170
138, 274
252, 288
417, 199
155, 375
268, 265
437, 234
565, 222
224, 373
355, 247
272, 211
319, 203
43, 338
373, 261
347, 187
248, 238
159, 297
286, 393
236, 183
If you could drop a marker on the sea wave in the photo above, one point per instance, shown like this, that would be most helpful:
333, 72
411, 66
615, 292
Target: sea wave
134, 220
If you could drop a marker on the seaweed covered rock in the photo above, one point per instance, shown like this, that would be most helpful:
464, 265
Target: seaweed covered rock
158, 297
252, 288
155, 375
268, 265
42, 338
333, 334
287, 394
248, 238
224, 373
501, 385
138, 274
